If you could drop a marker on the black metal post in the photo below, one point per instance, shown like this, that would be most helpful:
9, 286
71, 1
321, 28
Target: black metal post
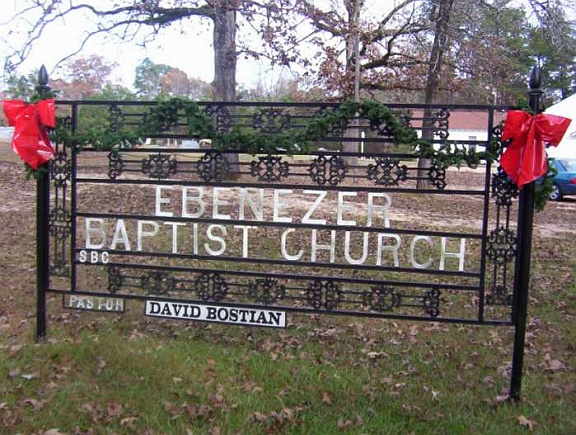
42, 229
523, 258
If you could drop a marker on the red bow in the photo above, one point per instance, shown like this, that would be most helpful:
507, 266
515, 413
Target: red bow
30, 139
525, 158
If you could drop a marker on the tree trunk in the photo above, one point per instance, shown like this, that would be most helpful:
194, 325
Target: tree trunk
439, 46
350, 87
224, 52
225, 65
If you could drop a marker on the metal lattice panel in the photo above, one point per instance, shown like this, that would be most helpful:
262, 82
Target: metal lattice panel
431, 302
437, 177
61, 170
115, 118
211, 287
115, 165
269, 169
213, 166
266, 291
115, 279
324, 294
501, 247
503, 189
157, 282
499, 295
387, 172
221, 117
382, 298
332, 171
441, 118
159, 166
272, 121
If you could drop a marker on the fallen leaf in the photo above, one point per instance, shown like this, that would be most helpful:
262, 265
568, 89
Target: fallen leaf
555, 365
523, 421
489, 381
29, 376
343, 424
169, 407
88, 407
35, 404
374, 355
570, 388
114, 409
204, 410
129, 422
327, 398
258, 417
217, 400
101, 365
51, 385
14, 349
498, 400
252, 387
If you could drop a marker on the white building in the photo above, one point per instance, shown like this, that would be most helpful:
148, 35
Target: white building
567, 109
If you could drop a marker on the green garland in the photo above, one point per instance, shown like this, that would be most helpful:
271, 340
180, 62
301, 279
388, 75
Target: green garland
165, 115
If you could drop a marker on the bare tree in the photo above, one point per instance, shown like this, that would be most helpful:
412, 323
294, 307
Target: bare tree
344, 37
140, 21
441, 12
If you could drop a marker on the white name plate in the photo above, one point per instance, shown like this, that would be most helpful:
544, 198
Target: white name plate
214, 313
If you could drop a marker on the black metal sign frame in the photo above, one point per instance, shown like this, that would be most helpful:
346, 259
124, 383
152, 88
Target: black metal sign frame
219, 235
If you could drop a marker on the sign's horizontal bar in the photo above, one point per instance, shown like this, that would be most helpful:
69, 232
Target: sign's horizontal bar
356, 229
439, 319
177, 182
302, 276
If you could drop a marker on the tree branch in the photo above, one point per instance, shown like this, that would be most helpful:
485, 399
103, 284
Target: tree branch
138, 15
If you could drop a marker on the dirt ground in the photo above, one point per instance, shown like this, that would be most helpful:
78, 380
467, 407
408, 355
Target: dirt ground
17, 238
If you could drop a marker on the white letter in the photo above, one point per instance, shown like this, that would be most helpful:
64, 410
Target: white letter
83, 256
142, 233
97, 231
214, 238
244, 229
394, 248
321, 195
417, 265
120, 236
160, 200
195, 238
460, 255
331, 247
175, 226
278, 206
342, 207
197, 199
217, 202
372, 208
256, 207
349, 259
285, 254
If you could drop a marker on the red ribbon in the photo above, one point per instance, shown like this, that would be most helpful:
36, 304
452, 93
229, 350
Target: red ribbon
525, 158
30, 121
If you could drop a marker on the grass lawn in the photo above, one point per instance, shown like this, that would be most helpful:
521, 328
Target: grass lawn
125, 373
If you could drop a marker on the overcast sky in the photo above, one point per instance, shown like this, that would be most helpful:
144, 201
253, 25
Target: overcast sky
190, 51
